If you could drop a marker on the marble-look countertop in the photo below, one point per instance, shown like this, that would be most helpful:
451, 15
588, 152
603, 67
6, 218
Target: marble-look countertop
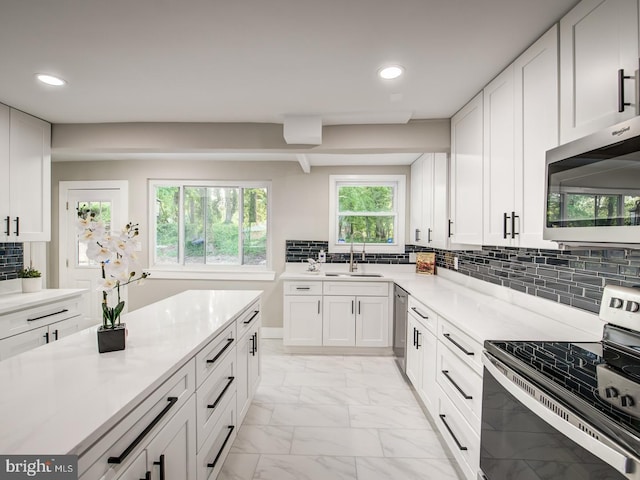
61, 397
482, 315
12, 302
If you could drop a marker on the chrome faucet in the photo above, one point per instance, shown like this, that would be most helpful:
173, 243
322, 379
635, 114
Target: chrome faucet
353, 264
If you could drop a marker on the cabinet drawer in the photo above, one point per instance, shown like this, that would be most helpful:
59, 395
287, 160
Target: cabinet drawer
211, 456
129, 437
355, 288
465, 347
303, 288
213, 354
423, 315
459, 436
249, 317
213, 394
462, 384
25, 320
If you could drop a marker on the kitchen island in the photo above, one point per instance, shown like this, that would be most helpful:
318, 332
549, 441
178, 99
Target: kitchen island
65, 397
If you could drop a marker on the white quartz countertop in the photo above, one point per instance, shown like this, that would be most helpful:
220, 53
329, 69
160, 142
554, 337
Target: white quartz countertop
481, 315
61, 397
11, 302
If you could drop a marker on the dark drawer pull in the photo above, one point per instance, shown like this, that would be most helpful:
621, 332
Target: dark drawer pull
224, 444
17, 220
462, 392
224, 390
47, 315
172, 401
419, 313
8, 228
255, 313
448, 337
229, 342
147, 476
161, 465
303, 288
442, 417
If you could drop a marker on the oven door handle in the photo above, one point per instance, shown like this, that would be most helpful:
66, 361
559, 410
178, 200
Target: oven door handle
617, 458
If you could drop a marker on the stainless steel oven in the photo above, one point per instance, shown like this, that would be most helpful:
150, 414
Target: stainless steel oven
565, 410
593, 188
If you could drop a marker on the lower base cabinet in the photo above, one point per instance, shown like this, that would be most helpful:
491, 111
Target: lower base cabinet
248, 369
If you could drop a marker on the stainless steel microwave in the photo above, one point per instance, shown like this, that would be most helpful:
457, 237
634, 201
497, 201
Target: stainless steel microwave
592, 190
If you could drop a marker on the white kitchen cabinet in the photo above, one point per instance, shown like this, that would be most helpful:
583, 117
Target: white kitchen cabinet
248, 361
414, 358
339, 321
465, 225
25, 204
303, 319
429, 200
597, 39
23, 342
372, 321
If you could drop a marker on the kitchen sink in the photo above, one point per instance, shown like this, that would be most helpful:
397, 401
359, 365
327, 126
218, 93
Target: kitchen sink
352, 274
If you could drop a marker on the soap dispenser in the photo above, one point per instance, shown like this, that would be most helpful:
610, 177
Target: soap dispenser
322, 256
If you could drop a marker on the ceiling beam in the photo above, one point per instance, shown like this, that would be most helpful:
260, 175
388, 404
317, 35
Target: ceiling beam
304, 162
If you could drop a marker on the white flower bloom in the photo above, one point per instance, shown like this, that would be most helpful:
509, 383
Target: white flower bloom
107, 284
116, 267
98, 253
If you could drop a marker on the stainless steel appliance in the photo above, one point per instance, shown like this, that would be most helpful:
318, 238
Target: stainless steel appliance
593, 188
400, 305
566, 410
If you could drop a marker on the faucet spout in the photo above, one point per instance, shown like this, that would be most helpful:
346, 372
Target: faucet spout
353, 265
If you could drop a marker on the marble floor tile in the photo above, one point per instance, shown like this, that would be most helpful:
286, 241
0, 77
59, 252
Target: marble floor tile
258, 414
239, 466
377, 380
271, 377
299, 467
391, 397
409, 443
263, 439
334, 396
334, 364
363, 416
350, 442
311, 415
405, 469
316, 379
276, 394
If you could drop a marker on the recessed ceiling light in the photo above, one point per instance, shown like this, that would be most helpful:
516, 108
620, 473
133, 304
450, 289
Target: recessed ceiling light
50, 79
391, 72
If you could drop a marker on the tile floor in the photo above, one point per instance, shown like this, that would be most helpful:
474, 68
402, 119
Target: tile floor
317, 417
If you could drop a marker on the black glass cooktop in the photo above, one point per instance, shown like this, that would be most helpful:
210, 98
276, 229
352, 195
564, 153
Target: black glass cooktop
569, 372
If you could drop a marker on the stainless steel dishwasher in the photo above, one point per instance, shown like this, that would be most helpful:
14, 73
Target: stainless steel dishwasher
400, 304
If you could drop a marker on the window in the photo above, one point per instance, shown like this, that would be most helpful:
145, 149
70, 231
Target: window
210, 226
367, 210
584, 208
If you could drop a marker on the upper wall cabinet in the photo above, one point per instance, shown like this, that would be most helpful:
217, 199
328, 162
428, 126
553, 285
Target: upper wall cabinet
520, 125
25, 183
465, 223
599, 42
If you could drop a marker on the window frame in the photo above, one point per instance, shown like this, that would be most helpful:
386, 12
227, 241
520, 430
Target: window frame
399, 182
206, 271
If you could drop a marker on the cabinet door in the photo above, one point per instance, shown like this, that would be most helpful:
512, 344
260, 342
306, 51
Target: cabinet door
427, 198
427, 390
597, 38
439, 238
21, 343
64, 328
172, 453
414, 356
536, 131
417, 234
302, 320
30, 178
498, 159
466, 174
4, 168
372, 321
339, 321
243, 352
255, 365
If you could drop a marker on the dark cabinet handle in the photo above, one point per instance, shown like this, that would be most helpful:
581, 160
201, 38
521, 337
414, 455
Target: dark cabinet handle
119, 459
147, 476
513, 224
419, 313
161, 465
462, 392
318, 306
255, 313
224, 390
621, 78
418, 333
255, 346
47, 315
8, 226
303, 288
352, 306
229, 342
449, 229
417, 234
505, 217
46, 337
17, 220
224, 444
448, 337
55, 334
414, 336
359, 307
428, 235
442, 417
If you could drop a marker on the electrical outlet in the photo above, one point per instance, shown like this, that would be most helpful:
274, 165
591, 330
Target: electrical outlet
412, 258
455, 263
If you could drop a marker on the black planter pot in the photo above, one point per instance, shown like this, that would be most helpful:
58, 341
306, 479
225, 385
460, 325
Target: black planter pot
111, 339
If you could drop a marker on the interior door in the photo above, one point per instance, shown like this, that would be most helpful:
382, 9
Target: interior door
75, 269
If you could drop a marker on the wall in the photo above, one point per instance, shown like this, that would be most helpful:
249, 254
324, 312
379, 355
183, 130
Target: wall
300, 204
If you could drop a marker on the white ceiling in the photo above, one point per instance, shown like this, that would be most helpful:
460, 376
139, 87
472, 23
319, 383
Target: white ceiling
258, 60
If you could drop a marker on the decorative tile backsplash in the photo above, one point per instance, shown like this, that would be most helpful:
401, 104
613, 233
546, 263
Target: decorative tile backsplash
11, 260
572, 277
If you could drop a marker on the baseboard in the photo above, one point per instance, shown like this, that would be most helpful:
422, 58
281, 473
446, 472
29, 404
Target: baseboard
271, 332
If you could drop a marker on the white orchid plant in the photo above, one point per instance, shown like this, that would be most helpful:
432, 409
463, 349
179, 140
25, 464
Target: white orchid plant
117, 255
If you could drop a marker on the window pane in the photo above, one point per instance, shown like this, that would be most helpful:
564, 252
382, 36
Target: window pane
365, 199
167, 225
102, 213
222, 246
194, 224
254, 226
369, 229
632, 210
